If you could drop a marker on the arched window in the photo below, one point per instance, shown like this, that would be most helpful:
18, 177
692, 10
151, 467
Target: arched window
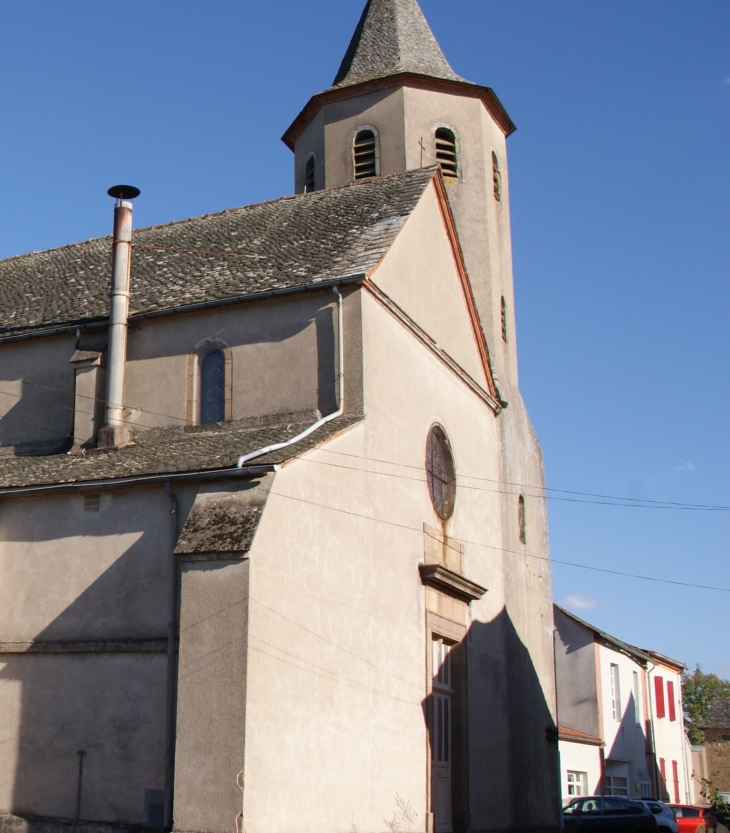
365, 154
440, 472
212, 387
496, 178
309, 175
504, 320
446, 152
521, 520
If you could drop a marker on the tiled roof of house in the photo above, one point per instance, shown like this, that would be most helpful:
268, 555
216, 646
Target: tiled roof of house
719, 715
166, 454
392, 37
286, 243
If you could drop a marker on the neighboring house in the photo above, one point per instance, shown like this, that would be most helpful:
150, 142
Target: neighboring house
620, 717
221, 611
716, 753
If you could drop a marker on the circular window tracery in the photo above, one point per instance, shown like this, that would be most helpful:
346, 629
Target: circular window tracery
440, 472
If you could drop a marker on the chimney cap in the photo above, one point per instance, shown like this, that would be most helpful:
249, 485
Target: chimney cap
123, 192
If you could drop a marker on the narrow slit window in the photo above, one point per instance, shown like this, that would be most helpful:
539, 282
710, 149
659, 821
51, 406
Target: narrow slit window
446, 152
309, 175
521, 519
504, 320
365, 152
496, 178
212, 387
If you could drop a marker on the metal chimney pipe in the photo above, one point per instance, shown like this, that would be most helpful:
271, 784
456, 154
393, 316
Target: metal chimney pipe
119, 307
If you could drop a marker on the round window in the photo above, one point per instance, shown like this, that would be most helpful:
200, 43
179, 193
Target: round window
440, 472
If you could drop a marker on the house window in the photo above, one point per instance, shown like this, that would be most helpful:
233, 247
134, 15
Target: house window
659, 693
91, 503
577, 783
617, 785
446, 152
504, 320
440, 472
496, 178
309, 174
365, 154
637, 699
212, 387
670, 701
615, 695
521, 520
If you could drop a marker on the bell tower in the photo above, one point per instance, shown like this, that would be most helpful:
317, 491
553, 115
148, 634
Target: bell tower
395, 105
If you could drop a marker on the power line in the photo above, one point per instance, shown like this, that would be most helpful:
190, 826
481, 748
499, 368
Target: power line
512, 552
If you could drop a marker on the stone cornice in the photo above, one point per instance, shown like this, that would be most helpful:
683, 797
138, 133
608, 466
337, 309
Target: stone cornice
401, 79
450, 582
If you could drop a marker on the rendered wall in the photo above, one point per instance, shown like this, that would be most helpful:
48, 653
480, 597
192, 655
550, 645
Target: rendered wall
575, 673
83, 616
336, 687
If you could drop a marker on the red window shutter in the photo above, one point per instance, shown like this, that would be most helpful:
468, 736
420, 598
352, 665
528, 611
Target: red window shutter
659, 691
675, 777
663, 772
670, 704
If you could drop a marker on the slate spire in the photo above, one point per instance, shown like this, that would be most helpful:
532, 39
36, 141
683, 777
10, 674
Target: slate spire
391, 37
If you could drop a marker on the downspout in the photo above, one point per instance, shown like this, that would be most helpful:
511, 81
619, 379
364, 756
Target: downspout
341, 397
171, 637
118, 312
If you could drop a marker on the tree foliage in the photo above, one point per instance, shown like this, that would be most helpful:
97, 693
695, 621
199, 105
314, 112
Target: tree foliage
699, 692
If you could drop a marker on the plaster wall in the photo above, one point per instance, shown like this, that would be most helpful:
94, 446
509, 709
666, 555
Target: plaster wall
211, 694
482, 221
36, 391
406, 120
282, 357
89, 592
341, 120
669, 737
336, 683
623, 728
575, 672
583, 758
420, 275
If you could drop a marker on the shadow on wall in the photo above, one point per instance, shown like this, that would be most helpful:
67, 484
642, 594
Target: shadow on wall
631, 757
108, 703
505, 772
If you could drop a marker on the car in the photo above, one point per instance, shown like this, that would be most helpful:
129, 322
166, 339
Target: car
607, 814
689, 818
664, 816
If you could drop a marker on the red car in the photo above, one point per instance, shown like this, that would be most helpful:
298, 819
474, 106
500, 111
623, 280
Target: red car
689, 818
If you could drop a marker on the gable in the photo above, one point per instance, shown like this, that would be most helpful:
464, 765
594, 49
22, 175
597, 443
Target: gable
424, 275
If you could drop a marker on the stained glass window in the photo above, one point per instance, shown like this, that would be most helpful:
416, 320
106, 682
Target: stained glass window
212, 387
440, 472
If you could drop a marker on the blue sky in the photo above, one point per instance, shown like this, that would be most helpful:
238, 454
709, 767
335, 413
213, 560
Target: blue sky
620, 184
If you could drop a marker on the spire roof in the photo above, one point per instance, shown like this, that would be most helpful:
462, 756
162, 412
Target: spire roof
392, 37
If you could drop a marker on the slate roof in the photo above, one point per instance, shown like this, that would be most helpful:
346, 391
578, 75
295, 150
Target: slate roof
719, 715
204, 451
283, 244
392, 37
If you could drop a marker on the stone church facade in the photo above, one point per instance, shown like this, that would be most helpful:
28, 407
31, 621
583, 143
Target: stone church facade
271, 557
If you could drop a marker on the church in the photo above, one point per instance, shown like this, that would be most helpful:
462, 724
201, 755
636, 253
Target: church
271, 555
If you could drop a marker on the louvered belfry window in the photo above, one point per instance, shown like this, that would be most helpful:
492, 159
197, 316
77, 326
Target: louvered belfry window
212, 387
309, 175
446, 152
365, 154
440, 472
